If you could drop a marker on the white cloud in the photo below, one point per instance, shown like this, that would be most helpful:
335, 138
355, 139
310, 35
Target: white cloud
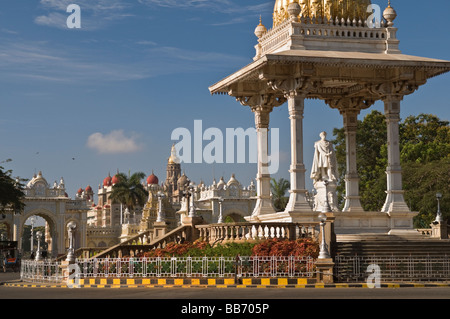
95, 14
53, 19
114, 142
45, 61
223, 6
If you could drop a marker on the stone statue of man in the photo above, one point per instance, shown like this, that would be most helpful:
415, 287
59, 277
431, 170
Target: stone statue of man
325, 163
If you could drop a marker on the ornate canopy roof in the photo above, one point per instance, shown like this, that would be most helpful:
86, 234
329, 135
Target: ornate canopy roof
338, 61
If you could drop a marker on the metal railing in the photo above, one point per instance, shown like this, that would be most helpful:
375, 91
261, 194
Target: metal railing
41, 271
256, 266
393, 268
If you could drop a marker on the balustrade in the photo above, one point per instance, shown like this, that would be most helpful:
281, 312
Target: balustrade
242, 232
276, 37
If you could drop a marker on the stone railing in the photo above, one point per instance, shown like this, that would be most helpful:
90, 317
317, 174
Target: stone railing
425, 231
438, 231
144, 242
242, 232
336, 30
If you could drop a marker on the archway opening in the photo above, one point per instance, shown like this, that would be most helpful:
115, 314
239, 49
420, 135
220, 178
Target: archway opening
34, 226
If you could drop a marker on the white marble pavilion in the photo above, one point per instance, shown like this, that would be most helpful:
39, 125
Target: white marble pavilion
329, 50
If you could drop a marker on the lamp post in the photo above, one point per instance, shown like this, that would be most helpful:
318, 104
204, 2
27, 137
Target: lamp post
324, 253
32, 221
71, 230
220, 220
439, 217
38, 252
191, 189
160, 218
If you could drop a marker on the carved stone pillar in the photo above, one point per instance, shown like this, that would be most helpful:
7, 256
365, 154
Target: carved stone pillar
295, 91
395, 201
352, 198
262, 106
350, 109
264, 199
392, 94
297, 200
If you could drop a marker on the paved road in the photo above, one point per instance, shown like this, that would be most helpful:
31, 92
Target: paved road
175, 300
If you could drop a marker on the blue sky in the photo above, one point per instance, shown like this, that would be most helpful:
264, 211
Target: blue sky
138, 69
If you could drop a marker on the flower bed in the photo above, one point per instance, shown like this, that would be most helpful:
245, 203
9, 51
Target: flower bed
271, 247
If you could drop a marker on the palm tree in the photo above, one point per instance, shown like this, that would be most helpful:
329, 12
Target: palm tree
129, 191
279, 190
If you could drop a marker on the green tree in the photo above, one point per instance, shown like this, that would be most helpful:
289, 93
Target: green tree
129, 191
279, 189
421, 182
424, 139
424, 153
371, 160
11, 193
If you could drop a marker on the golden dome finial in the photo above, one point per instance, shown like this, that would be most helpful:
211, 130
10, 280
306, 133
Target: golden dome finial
345, 10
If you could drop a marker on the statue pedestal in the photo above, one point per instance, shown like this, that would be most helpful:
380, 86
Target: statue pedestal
324, 191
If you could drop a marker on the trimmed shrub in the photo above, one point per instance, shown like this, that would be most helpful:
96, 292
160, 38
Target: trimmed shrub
270, 247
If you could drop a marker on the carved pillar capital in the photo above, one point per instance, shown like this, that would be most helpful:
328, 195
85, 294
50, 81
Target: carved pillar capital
261, 105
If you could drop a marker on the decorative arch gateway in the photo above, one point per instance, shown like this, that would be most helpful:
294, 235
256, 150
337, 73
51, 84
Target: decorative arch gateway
54, 206
50, 234
349, 65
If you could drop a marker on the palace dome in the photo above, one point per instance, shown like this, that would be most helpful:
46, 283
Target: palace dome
329, 9
115, 180
152, 180
107, 181
183, 180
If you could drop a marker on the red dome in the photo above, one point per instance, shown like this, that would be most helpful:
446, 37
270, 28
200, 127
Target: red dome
88, 189
107, 181
80, 191
115, 179
152, 180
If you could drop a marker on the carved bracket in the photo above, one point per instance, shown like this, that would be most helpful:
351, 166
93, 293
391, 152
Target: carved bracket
350, 103
291, 87
261, 100
393, 89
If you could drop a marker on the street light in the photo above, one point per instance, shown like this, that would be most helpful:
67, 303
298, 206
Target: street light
439, 217
71, 230
32, 221
160, 217
38, 252
324, 253
220, 221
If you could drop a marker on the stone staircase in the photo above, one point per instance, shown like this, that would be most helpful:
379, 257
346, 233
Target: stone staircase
388, 245
130, 247
400, 259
